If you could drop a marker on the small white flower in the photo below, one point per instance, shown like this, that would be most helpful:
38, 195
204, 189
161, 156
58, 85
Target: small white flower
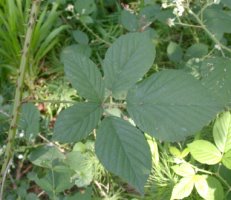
70, 8
218, 47
197, 60
83, 11
20, 156
21, 134
216, 1
170, 22
164, 5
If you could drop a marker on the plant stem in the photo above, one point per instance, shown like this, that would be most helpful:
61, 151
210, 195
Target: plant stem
9, 152
211, 35
49, 101
94, 34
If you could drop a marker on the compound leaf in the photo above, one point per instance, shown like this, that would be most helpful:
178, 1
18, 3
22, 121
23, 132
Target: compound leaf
124, 151
205, 152
127, 60
76, 122
171, 105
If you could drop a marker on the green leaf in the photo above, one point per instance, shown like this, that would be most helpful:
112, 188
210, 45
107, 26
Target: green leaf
215, 75
81, 195
201, 185
129, 21
85, 7
124, 151
80, 37
45, 155
183, 188
184, 170
29, 121
226, 159
75, 49
76, 122
84, 76
174, 151
171, 105
127, 60
205, 152
222, 132
196, 51
83, 167
217, 20
174, 52
227, 3
54, 182
215, 189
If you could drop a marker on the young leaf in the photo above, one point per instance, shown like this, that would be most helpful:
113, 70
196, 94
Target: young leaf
129, 21
45, 155
205, 152
174, 151
196, 51
127, 60
183, 188
226, 159
76, 122
124, 151
201, 185
171, 105
174, 52
84, 76
184, 170
29, 120
80, 37
222, 132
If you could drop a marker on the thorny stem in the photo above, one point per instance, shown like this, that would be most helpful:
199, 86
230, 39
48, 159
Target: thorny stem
9, 152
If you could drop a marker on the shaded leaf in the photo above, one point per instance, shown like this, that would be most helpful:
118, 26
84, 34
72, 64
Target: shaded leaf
196, 51
171, 105
129, 21
124, 151
127, 60
84, 76
215, 75
45, 155
215, 189
29, 120
174, 52
80, 37
76, 122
